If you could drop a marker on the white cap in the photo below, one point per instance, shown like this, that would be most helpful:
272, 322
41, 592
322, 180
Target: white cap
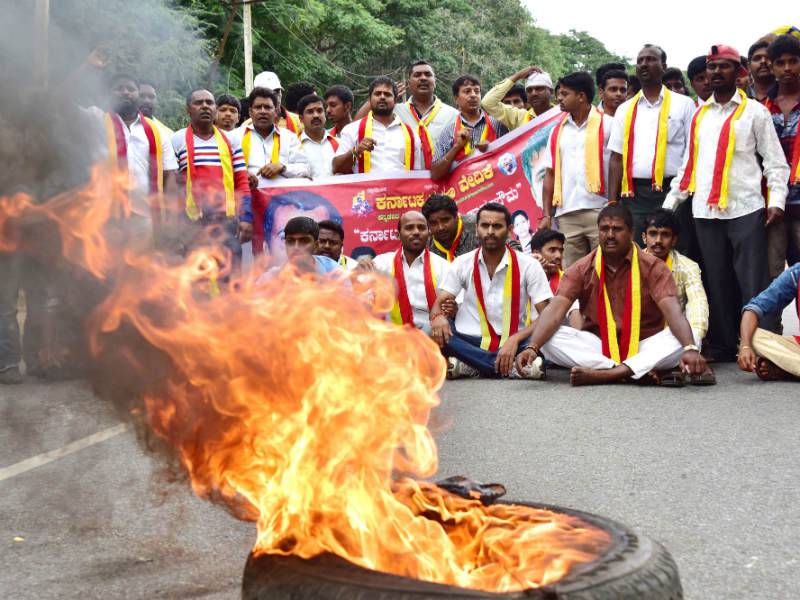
267, 79
539, 79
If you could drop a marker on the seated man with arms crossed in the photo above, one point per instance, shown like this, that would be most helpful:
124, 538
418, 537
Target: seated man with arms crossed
772, 357
416, 272
625, 296
498, 284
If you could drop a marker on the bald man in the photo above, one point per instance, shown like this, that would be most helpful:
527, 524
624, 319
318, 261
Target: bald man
416, 272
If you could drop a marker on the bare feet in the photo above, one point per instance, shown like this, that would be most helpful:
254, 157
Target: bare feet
583, 376
769, 371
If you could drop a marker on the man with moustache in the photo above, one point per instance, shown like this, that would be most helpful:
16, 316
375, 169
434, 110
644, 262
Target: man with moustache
648, 141
416, 272
426, 114
269, 151
379, 142
613, 91
471, 129
228, 111
760, 70
331, 244
338, 108
698, 79
498, 284
539, 91
722, 173
283, 118
148, 104
318, 145
621, 339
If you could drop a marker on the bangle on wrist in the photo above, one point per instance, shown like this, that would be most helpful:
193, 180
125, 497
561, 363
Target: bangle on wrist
744, 347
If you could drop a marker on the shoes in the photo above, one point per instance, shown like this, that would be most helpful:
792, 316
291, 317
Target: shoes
460, 370
10, 376
534, 370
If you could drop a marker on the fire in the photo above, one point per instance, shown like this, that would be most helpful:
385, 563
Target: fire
300, 408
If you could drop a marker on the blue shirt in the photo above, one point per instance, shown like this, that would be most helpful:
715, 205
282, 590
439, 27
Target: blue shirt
778, 295
325, 264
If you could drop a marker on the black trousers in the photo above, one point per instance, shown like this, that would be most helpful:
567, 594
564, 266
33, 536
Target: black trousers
735, 257
644, 201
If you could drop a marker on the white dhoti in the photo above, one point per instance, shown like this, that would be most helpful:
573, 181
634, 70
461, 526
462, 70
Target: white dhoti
573, 348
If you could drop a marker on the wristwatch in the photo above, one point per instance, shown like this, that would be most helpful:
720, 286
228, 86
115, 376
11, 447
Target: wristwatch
691, 347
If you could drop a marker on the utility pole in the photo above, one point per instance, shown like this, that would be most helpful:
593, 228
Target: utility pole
41, 23
248, 48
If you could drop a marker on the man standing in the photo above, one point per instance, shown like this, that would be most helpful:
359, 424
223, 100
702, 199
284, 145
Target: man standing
284, 118
516, 97
228, 111
331, 244
648, 141
471, 128
415, 270
698, 79
625, 296
538, 88
426, 114
379, 142
148, 104
498, 285
577, 167
771, 356
722, 171
760, 71
318, 145
269, 151
213, 174
600, 75
613, 91
339, 108
673, 80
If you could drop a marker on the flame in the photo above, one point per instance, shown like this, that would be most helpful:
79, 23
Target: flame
298, 406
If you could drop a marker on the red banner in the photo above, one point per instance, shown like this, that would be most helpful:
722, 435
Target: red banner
369, 206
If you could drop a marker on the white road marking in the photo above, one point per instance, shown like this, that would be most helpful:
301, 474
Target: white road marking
71, 448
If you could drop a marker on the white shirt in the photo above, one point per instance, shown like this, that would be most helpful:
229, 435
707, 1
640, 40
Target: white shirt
290, 153
389, 154
319, 155
415, 281
444, 117
572, 143
533, 285
681, 109
753, 133
350, 264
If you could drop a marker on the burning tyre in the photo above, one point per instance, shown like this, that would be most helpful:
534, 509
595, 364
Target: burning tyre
631, 567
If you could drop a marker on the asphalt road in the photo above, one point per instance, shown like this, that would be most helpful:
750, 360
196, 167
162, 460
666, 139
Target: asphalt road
712, 473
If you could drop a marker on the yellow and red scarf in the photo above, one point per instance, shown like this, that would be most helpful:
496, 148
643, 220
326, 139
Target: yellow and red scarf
628, 140
402, 312
292, 121
450, 253
225, 159
627, 345
490, 340
365, 131
276, 145
426, 142
592, 156
555, 280
489, 134
718, 196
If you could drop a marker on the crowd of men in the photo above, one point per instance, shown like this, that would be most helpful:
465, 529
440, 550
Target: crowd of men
667, 220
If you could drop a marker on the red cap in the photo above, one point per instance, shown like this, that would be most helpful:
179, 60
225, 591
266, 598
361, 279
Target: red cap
721, 51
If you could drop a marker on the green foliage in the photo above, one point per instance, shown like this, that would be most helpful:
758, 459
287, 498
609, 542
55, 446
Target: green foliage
585, 53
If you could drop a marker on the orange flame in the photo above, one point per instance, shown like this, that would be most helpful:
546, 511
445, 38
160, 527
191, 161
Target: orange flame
302, 409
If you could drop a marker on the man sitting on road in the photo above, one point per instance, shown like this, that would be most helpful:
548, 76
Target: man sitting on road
547, 245
772, 357
625, 296
498, 284
331, 244
302, 247
416, 272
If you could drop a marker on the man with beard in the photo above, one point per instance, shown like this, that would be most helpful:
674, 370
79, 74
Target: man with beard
471, 128
269, 151
426, 114
379, 142
499, 284
148, 104
577, 167
339, 108
331, 244
721, 172
698, 79
416, 272
760, 71
317, 144
228, 111
206, 159
613, 91
648, 140
538, 88
621, 339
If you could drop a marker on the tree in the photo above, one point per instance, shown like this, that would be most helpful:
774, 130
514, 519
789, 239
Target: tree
585, 53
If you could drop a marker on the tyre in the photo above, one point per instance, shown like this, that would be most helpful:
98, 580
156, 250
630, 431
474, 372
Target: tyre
632, 568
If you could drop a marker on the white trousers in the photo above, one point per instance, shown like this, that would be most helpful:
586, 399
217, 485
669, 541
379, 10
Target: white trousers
573, 348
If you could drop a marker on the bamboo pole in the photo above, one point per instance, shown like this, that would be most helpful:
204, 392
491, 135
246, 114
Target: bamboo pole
248, 49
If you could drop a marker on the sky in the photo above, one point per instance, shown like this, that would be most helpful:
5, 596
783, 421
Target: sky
684, 28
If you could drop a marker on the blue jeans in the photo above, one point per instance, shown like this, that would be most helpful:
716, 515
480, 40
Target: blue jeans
467, 349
